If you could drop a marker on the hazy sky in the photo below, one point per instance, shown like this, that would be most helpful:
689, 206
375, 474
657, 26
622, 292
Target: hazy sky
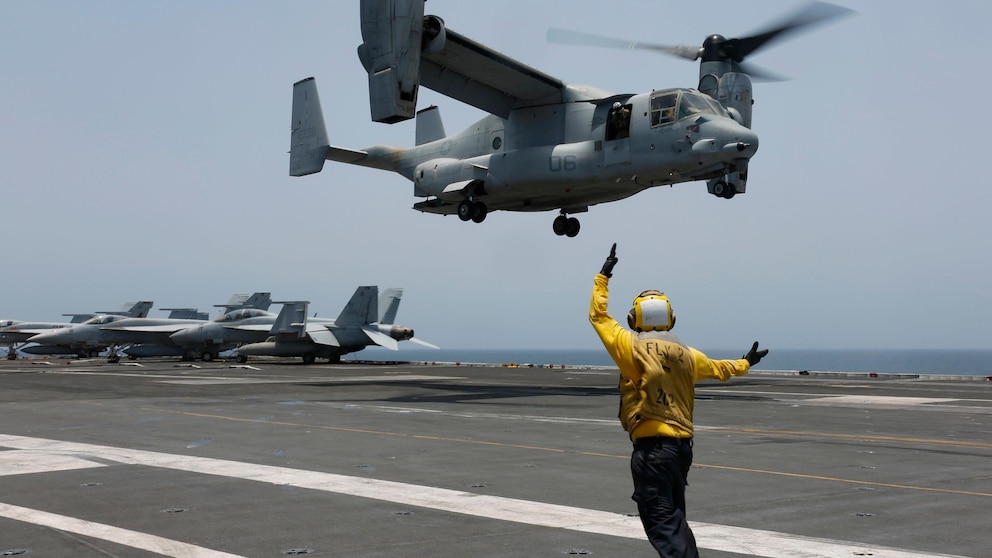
144, 156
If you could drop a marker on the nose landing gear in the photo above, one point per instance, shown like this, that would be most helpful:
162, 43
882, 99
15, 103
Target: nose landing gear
565, 226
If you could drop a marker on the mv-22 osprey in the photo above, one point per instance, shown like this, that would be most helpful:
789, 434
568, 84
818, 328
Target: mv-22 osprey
546, 144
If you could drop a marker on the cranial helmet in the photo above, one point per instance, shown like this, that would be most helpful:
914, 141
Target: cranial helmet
651, 312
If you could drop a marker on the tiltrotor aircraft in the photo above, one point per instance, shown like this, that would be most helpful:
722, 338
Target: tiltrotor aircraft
546, 144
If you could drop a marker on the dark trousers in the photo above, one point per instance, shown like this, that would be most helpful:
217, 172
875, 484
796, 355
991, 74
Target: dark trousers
659, 467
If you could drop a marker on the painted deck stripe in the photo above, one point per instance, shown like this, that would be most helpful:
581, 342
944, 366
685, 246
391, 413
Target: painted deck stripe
750, 542
125, 537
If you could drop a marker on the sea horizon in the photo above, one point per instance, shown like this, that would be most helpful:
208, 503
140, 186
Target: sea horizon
966, 362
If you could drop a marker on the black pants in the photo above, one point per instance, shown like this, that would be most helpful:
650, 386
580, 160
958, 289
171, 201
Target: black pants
659, 467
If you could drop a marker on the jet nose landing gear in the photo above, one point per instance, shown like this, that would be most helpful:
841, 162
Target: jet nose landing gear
565, 225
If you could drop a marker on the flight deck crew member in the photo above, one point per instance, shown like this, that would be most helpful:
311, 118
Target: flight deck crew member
657, 377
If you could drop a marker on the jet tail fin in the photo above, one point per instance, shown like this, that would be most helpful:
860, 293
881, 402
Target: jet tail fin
292, 319
308, 139
389, 304
362, 309
134, 309
429, 125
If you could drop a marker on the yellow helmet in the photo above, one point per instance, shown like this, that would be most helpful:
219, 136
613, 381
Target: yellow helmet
652, 311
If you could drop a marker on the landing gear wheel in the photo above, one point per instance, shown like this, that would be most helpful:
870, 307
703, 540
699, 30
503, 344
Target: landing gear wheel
571, 227
309, 358
479, 211
559, 225
336, 359
113, 359
207, 356
12, 355
241, 359
723, 190
465, 210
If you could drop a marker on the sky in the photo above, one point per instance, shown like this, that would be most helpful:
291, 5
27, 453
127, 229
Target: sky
144, 156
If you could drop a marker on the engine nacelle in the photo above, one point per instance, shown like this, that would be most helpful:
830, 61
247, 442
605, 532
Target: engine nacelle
392, 32
399, 333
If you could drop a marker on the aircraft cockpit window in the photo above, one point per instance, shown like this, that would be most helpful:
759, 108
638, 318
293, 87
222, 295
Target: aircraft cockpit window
693, 103
663, 108
669, 107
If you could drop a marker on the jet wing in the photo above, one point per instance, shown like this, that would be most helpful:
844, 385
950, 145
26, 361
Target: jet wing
250, 327
165, 328
321, 335
479, 76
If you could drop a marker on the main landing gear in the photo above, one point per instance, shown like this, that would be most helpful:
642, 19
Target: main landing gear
565, 225
469, 210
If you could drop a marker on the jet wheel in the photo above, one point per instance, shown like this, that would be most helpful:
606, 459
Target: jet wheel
241, 359
309, 358
723, 190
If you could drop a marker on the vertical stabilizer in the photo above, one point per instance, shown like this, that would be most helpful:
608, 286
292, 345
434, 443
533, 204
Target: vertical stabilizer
429, 125
362, 309
292, 319
389, 304
308, 140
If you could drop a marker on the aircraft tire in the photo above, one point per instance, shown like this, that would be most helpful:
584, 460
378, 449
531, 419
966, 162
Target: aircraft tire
309, 358
241, 359
12, 355
571, 227
479, 212
559, 225
466, 210
207, 356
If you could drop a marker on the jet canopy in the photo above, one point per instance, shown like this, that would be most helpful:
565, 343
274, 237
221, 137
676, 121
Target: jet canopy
670, 105
241, 314
104, 319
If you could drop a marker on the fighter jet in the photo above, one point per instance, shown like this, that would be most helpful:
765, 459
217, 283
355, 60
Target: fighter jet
14, 332
359, 325
231, 330
104, 332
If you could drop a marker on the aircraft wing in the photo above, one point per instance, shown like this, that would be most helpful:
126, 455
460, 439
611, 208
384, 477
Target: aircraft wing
165, 328
321, 335
250, 327
484, 78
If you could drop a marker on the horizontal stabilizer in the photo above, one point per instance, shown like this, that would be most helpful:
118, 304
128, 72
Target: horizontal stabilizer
381, 339
423, 343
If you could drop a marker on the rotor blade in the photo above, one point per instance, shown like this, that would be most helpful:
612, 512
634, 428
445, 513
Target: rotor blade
758, 73
566, 37
812, 14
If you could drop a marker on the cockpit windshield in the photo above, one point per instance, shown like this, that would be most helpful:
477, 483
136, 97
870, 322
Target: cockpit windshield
671, 105
103, 319
235, 315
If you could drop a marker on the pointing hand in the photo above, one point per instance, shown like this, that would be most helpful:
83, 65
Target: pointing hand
611, 261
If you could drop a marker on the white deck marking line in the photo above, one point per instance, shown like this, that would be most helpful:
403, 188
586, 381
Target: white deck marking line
125, 537
751, 542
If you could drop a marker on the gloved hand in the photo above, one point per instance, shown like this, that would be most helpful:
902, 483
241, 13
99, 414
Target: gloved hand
611, 261
754, 355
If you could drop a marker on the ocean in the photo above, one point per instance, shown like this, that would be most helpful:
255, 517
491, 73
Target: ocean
964, 362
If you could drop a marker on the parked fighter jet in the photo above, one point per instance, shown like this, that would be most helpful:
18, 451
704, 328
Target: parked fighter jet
228, 331
102, 332
14, 333
293, 334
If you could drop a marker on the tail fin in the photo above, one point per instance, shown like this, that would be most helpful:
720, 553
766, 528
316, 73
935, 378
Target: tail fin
134, 309
362, 309
308, 140
292, 319
389, 303
262, 301
259, 300
186, 314
429, 125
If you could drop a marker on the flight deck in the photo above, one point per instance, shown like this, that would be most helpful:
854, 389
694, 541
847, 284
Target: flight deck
276, 458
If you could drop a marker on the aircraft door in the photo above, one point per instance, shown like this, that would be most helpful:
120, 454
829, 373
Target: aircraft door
616, 148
